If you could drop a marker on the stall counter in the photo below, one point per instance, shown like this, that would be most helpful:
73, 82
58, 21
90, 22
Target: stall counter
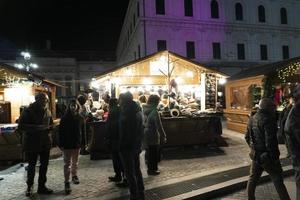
180, 131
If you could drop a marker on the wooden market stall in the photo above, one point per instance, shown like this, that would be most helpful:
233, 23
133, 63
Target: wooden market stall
17, 91
166, 73
244, 90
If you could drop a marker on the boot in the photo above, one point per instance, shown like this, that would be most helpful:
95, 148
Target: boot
67, 188
75, 180
29, 191
42, 189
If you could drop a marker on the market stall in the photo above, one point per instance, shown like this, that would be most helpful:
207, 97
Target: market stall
17, 90
244, 90
188, 91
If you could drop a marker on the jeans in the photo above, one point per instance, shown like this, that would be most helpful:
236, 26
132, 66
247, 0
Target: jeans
131, 164
274, 169
32, 160
70, 162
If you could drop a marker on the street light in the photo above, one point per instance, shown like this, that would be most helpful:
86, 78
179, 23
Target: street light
26, 64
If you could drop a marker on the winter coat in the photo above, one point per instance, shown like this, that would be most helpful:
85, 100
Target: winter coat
130, 127
153, 129
112, 127
292, 130
261, 134
35, 125
70, 131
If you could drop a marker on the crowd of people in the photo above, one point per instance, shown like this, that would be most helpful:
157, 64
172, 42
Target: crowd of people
132, 126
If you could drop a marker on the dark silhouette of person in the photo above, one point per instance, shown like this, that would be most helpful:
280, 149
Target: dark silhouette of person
154, 133
282, 119
85, 133
292, 131
112, 137
262, 139
130, 141
70, 131
36, 124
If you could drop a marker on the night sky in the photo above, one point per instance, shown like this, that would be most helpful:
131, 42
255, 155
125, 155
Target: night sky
69, 24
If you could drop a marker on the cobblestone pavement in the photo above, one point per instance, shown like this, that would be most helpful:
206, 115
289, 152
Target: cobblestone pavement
176, 164
264, 192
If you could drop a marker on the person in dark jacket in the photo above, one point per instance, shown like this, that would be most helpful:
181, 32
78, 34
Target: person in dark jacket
70, 137
112, 136
130, 140
292, 130
153, 133
84, 112
36, 124
282, 119
262, 139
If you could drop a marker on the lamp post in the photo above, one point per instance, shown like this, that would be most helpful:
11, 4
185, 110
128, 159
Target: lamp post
27, 64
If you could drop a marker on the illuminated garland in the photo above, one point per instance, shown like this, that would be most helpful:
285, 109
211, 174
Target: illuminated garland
288, 71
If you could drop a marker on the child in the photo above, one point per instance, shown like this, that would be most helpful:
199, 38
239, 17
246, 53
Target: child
70, 132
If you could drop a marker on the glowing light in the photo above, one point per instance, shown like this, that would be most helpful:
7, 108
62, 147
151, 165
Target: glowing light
189, 74
222, 81
94, 84
19, 66
26, 55
147, 81
116, 81
33, 65
179, 80
128, 72
220, 94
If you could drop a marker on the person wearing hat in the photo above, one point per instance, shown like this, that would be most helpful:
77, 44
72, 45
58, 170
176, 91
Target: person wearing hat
292, 131
36, 123
262, 140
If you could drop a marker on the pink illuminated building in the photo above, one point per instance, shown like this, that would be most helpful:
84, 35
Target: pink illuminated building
225, 34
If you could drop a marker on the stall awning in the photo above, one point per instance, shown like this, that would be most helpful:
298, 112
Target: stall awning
173, 57
265, 69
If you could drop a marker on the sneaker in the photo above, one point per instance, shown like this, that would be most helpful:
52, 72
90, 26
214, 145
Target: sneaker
153, 172
29, 191
75, 180
115, 178
67, 188
44, 190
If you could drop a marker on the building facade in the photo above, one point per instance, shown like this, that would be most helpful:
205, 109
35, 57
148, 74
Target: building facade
228, 35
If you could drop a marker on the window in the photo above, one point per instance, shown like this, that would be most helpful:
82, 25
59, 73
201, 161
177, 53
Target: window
285, 52
139, 51
138, 9
160, 7
239, 12
216, 50
214, 9
283, 16
161, 45
263, 52
190, 49
261, 14
188, 8
241, 51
